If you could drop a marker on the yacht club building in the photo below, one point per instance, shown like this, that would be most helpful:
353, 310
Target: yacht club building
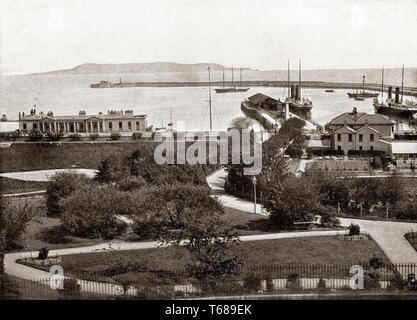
113, 121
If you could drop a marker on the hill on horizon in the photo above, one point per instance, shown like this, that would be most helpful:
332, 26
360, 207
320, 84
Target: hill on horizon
178, 72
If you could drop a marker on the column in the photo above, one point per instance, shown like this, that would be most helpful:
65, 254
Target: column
75, 127
103, 127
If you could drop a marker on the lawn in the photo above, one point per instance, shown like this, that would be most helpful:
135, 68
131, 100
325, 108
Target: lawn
8, 185
287, 255
42, 156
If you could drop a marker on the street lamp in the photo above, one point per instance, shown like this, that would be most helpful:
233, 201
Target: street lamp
254, 194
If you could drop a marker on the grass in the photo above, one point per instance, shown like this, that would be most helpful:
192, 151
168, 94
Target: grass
8, 185
43, 156
295, 254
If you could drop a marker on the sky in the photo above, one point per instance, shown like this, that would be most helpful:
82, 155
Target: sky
45, 35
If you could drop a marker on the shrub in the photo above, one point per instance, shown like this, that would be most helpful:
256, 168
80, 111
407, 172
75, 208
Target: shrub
112, 168
93, 136
75, 137
354, 229
115, 136
137, 135
71, 289
321, 285
252, 282
61, 185
53, 136
131, 183
35, 135
92, 212
293, 282
43, 253
8, 288
14, 218
376, 262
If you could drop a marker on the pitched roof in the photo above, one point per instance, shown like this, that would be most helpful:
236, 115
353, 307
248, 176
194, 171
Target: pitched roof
344, 129
361, 118
260, 98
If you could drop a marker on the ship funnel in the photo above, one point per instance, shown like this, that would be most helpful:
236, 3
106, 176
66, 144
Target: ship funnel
397, 95
297, 92
292, 92
389, 92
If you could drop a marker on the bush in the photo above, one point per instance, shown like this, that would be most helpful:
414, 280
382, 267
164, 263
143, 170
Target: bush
14, 218
94, 136
71, 289
115, 136
54, 136
354, 229
293, 282
376, 262
75, 137
131, 183
137, 135
252, 283
92, 212
43, 253
62, 185
35, 135
8, 288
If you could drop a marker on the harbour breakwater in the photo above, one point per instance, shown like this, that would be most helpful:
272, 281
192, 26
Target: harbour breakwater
408, 91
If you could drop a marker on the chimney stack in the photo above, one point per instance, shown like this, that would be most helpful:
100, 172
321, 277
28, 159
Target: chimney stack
297, 92
397, 95
389, 92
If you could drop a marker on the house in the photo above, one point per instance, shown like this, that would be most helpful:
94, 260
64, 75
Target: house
361, 132
113, 121
405, 153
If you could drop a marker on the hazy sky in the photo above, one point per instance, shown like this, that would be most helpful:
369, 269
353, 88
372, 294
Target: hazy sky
43, 35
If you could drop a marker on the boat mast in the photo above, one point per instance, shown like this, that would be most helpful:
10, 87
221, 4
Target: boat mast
289, 86
382, 83
363, 84
299, 77
223, 78
209, 90
233, 82
402, 84
241, 77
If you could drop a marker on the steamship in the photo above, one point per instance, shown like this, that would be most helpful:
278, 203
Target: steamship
396, 106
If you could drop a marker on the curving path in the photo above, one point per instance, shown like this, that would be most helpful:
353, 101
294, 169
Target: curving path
44, 175
389, 235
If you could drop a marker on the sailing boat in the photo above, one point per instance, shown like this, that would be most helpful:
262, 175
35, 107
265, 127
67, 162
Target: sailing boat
363, 94
233, 88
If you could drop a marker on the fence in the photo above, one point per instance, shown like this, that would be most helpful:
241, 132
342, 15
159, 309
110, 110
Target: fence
275, 279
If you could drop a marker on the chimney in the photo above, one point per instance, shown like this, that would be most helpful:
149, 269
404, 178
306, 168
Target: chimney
82, 113
389, 92
397, 95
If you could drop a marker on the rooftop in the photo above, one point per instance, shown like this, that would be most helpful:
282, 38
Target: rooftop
112, 114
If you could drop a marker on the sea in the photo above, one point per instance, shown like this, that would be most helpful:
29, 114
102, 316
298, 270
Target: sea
69, 94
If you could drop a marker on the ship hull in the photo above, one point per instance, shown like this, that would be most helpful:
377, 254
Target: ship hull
227, 90
395, 110
362, 95
301, 110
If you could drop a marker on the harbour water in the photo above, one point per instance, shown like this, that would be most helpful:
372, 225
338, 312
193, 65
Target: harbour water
66, 95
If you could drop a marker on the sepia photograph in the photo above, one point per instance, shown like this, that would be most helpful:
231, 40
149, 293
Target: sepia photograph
185, 152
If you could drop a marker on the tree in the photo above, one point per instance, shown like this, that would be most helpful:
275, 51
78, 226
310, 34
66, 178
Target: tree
14, 218
293, 200
241, 123
187, 216
61, 185
92, 212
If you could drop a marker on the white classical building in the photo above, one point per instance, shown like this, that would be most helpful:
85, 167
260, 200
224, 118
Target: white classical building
113, 121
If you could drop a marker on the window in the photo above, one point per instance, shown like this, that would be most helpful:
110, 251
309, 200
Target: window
360, 148
120, 126
137, 126
372, 148
371, 137
339, 137
35, 126
110, 126
350, 137
25, 126
360, 137
101, 126
339, 148
129, 126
